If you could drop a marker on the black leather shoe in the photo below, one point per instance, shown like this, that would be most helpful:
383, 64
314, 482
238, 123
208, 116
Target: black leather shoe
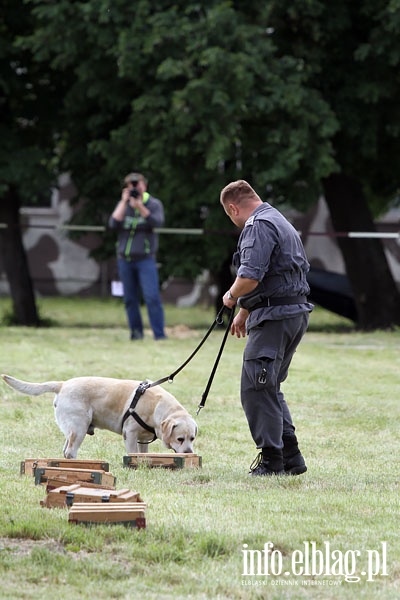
293, 461
260, 467
295, 465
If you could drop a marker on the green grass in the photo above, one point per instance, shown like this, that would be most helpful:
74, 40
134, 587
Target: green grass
343, 390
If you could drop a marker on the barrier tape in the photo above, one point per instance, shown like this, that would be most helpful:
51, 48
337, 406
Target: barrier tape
195, 231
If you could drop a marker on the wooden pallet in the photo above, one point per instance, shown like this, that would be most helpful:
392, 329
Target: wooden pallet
130, 514
43, 475
67, 495
28, 466
165, 460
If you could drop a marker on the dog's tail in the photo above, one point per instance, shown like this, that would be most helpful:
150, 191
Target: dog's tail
32, 389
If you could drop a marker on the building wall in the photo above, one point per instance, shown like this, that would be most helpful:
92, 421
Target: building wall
323, 251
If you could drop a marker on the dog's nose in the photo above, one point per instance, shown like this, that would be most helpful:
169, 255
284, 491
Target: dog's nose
188, 451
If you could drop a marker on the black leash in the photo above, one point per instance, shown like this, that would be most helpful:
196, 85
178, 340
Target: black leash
208, 386
217, 321
145, 385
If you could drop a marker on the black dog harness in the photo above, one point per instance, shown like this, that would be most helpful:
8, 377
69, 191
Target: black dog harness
132, 413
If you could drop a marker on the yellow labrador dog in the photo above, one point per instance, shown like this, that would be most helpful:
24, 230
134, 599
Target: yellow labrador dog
84, 403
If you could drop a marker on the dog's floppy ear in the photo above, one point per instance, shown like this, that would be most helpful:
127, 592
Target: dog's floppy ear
167, 427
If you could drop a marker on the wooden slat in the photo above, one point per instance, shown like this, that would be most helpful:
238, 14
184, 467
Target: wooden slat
54, 483
43, 474
28, 466
166, 460
66, 496
130, 514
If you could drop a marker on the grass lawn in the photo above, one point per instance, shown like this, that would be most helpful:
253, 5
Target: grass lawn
207, 528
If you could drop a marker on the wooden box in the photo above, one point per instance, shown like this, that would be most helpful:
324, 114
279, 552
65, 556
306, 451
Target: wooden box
69, 476
55, 483
29, 465
68, 495
165, 460
130, 514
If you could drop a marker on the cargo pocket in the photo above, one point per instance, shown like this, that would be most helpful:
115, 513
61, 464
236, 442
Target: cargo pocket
259, 366
246, 249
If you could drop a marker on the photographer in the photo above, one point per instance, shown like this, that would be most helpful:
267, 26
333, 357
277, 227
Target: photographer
134, 219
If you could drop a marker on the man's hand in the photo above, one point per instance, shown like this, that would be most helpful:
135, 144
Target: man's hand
138, 204
238, 327
229, 300
240, 287
125, 195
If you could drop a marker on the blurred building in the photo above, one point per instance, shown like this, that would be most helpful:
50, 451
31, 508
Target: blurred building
60, 265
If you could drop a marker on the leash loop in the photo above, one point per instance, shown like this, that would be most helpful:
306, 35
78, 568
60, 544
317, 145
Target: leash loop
219, 318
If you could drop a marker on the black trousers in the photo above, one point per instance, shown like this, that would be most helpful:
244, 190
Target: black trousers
267, 356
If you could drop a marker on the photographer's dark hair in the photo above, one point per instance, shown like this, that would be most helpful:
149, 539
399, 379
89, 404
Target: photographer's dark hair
134, 178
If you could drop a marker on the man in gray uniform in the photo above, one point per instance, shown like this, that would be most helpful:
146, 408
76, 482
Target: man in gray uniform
271, 289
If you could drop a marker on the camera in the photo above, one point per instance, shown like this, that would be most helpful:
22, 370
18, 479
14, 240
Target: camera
134, 193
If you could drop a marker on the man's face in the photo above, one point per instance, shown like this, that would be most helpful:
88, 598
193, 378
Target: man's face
138, 185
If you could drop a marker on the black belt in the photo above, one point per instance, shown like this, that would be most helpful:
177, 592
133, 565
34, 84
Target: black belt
259, 301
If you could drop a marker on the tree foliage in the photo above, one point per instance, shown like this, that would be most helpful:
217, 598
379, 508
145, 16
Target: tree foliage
29, 105
352, 56
193, 95
286, 94
353, 60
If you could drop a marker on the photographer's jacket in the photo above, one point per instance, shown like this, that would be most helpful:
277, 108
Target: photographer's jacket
136, 236
270, 251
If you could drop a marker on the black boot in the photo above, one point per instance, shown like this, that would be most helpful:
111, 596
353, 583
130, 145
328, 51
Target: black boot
293, 460
268, 462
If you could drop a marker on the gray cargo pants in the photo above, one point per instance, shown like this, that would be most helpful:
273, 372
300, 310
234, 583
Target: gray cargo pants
268, 353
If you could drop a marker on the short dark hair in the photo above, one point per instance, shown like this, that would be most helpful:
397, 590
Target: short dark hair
134, 177
236, 191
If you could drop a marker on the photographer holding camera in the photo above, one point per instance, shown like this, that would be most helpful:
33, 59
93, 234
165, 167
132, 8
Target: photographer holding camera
134, 219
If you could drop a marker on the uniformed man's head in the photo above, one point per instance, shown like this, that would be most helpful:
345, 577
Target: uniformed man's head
239, 200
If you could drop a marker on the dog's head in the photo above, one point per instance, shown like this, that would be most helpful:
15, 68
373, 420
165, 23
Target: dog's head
179, 433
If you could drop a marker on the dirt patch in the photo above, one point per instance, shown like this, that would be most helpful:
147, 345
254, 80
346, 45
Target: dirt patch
24, 546
178, 332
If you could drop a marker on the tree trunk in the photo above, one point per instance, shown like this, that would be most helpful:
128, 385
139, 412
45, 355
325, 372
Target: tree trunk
15, 262
375, 292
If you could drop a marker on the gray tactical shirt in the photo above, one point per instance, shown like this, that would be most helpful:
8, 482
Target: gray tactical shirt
270, 251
